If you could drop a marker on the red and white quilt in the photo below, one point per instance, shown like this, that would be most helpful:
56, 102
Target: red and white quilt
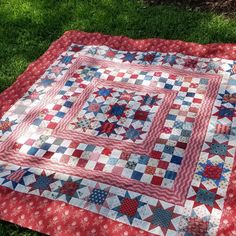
106, 135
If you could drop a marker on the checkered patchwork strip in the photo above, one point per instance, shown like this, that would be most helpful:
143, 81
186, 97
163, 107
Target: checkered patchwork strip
90, 157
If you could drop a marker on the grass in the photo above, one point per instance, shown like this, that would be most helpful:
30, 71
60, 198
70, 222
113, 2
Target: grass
7, 229
28, 27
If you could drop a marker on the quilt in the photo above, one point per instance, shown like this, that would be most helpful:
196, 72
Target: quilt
106, 135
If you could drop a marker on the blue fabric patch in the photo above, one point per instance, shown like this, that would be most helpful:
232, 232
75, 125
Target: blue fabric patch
178, 124
132, 134
205, 197
45, 146
185, 103
117, 110
129, 57
69, 83
42, 183
203, 81
226, 112
162, 80
168, 86
169, 149
37, 121
98, 196
171, 117
148, 100
148, 77
178, 83
32, 151
176, 160
61, 150
60, 114
161, 217
66, 59
62, 92
190, 94
112, 161
90, 148
104, 92
218, 149
170, 174
143, 160
68, 104
137, 175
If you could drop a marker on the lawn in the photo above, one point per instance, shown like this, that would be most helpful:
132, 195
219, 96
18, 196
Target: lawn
27, 28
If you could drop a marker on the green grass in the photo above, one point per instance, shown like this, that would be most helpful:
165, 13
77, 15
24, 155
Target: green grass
27, 28
7, 229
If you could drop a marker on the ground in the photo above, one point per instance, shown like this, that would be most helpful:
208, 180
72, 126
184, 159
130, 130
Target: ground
27, 28
226, 7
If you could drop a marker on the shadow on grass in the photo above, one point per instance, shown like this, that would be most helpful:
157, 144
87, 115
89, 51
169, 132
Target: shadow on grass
28, 27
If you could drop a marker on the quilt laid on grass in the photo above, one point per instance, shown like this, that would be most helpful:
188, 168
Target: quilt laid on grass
107, 135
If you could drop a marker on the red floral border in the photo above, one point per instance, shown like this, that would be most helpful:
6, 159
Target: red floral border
13, 204
58, 218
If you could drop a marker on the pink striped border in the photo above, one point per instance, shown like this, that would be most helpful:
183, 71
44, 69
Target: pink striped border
143, 148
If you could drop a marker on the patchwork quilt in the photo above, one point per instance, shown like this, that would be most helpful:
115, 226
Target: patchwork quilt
106, 135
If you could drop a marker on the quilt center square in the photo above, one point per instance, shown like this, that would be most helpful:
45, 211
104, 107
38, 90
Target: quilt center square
117, 113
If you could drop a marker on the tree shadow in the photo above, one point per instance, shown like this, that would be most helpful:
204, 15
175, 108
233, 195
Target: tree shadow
26, 34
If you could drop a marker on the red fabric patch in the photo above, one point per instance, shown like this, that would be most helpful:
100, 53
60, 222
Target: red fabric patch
181, 145
184, 89
197, 227
99, 166
156, 180
163, 165
129, 207
82, 163
57, 107
52, 125
155, 154
197, 100
48, 117
140, 115
234, 69
69, 188
212, 172
149, 57
16, 176
106, 151
134, 76
107, 127
110, 54
48, 154
77, 153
